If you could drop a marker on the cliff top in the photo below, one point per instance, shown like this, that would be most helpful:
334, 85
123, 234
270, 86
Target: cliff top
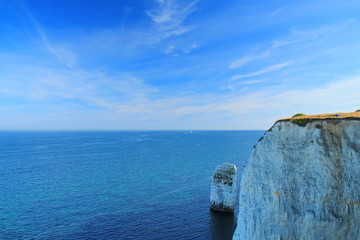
302, 119
351, 115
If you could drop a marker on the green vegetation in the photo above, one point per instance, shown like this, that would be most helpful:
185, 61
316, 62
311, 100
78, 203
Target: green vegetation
301, 119
300, 122
299, 115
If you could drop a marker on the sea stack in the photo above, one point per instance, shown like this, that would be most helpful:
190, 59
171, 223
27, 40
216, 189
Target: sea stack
302, 181
223, 188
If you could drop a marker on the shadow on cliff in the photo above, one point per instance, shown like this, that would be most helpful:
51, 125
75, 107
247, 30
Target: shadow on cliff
223, 225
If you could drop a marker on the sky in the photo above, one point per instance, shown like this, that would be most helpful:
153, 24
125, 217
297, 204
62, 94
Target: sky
175, 64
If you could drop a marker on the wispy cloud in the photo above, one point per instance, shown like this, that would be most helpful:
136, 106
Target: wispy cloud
61, 53
176, 51
168, 23
192, 46
272, 68
295, 38
243, 83
260, 102
92, 88
257, 54
250, 57
169, 17
277, 11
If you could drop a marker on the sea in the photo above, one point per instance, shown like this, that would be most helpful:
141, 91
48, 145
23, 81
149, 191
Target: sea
116, 184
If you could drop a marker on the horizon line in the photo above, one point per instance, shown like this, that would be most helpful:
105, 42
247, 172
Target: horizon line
127, 130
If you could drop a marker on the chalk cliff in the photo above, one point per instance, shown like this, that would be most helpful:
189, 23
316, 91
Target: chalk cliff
302, 181
223, 188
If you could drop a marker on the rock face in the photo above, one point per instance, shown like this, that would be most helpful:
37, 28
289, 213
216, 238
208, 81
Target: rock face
223, 188
302, 183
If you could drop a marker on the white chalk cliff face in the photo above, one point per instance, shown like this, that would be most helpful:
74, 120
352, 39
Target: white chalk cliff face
223, 188
302, 183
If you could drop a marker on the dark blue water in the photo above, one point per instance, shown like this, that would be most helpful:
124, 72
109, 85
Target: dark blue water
115, 185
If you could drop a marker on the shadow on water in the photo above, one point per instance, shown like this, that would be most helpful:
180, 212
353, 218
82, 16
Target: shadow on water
223, 225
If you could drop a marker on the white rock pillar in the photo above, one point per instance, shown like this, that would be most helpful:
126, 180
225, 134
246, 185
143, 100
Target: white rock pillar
223, 188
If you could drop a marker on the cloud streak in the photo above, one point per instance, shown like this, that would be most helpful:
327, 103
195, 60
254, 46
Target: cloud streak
296, 37
169, 17
61, 53
268, 69
248, 58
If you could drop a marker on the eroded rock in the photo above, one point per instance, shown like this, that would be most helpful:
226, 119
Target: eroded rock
223, 188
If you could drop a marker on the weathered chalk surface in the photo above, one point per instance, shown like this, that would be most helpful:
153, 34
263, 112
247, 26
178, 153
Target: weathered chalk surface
223, 188
302, 183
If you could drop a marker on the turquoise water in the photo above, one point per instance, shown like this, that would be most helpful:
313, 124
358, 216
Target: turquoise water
115, 185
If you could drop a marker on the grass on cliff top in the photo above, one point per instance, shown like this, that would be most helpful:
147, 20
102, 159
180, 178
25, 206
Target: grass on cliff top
302, 120
326, 116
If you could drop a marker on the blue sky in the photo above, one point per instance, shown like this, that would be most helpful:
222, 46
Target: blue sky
175, 64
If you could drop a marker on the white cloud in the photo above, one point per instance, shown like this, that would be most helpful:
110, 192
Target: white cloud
169, 17
263, 71
60, 52
234, 86
169, 49
193, 46
176, 50
296, 36
277, 11
248, 58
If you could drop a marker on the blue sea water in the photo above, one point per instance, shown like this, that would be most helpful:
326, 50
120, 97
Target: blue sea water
115, 185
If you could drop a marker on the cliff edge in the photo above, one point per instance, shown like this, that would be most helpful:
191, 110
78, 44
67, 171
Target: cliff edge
302, 181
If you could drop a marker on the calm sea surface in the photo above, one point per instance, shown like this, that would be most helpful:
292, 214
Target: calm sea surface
115, 185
